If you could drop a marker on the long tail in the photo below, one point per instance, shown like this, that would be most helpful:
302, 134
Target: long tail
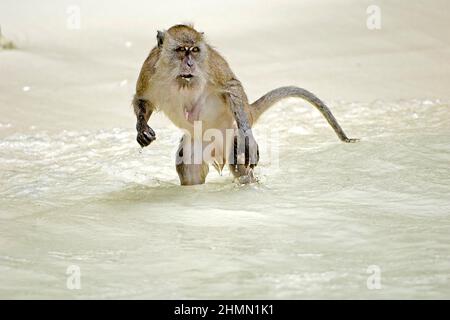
266, 101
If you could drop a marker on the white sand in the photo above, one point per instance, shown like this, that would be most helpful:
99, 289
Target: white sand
84, 78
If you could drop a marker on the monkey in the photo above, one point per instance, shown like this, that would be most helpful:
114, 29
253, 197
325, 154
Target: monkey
192, 84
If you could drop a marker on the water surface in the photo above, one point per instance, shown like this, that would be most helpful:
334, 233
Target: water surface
310, 228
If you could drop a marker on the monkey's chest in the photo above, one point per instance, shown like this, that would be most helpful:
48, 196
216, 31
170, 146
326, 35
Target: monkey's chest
205, 110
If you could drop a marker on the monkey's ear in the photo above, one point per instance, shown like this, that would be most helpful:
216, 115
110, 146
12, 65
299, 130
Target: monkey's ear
160, 38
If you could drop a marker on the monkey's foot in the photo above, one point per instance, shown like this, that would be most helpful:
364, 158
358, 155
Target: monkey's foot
146, 136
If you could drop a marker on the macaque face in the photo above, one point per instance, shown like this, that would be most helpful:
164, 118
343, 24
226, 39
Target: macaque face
186, 52
187, 57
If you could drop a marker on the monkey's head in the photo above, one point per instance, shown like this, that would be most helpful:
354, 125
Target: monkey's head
185, 52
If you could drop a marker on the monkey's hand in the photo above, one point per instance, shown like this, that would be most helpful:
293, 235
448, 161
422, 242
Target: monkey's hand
251, 151
145, 134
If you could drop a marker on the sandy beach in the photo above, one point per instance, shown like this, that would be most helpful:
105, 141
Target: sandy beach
84, 78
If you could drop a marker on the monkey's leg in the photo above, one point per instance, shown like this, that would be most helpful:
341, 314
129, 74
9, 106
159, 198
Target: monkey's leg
190, 172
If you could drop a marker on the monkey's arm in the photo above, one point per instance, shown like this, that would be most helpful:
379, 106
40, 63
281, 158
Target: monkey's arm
237, 100
143, 109
238, 104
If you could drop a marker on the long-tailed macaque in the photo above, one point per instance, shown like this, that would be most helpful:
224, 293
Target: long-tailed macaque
193, 85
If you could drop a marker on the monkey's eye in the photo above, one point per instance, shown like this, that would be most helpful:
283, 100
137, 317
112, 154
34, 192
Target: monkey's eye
195, 49
180, 49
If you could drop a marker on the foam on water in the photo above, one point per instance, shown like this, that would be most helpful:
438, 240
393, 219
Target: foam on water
310, 228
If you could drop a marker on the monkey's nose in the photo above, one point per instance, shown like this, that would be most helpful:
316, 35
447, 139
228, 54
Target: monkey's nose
190, 64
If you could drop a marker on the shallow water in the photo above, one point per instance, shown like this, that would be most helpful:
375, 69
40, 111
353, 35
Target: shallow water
310, 228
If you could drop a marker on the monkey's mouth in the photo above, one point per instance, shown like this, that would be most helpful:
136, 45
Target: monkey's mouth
186, 77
